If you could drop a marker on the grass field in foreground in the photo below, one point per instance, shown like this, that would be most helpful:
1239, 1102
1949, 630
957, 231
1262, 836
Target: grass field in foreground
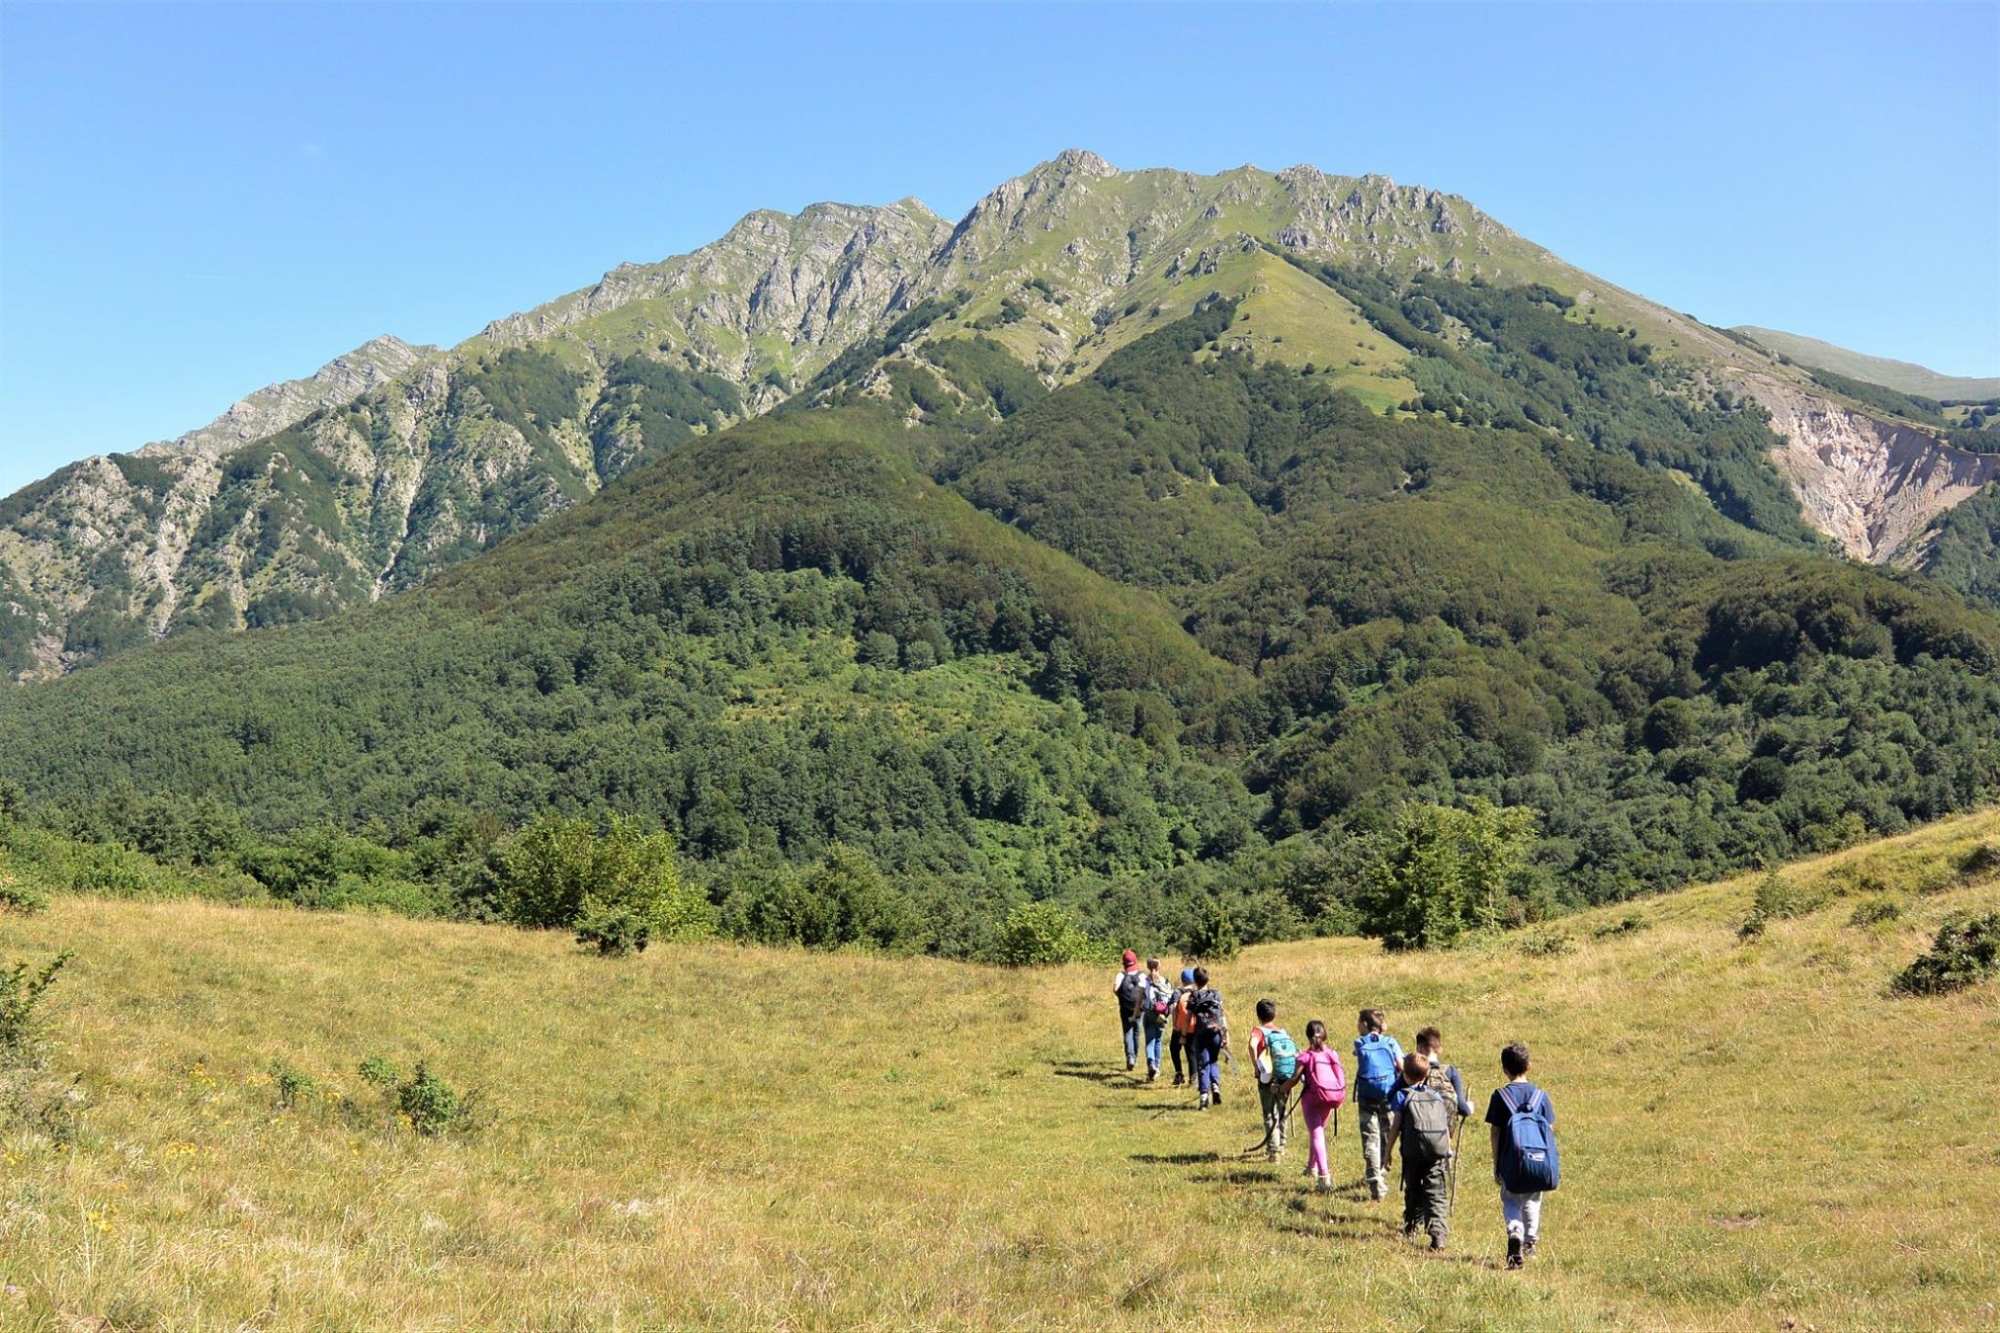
1752, 1132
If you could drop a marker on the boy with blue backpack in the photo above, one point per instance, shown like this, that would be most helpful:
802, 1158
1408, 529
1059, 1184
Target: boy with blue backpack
1276, 1057
1377, 1067
1523, 1124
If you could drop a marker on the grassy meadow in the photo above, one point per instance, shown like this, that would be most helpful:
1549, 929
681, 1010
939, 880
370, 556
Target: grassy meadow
1754, 1134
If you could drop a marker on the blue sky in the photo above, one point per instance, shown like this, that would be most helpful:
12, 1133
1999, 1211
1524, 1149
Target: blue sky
198, 200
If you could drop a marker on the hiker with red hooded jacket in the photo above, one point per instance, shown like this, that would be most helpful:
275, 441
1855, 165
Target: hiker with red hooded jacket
1135, 992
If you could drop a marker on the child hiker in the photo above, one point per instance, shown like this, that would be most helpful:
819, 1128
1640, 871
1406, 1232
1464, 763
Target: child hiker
1276, 1057
1420, 1125
1159, 998
1129, 985
1323, 1087
1211, 1034
1445, 1078
1523, 1125
1377, 1058
1182, 1041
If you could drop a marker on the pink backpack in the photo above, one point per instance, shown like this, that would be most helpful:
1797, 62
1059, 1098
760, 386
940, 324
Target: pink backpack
1326, 1079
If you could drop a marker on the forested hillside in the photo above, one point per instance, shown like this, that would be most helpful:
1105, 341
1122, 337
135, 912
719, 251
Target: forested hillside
1171, 646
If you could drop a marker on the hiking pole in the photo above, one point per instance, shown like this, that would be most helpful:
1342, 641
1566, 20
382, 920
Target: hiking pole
1457, 1135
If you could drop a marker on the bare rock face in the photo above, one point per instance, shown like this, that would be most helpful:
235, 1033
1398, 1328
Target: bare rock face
1870, 484
272, 409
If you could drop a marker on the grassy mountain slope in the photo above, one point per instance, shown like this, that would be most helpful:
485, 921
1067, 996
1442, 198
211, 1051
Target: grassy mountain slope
1045, 654
1901, 376
699, 1136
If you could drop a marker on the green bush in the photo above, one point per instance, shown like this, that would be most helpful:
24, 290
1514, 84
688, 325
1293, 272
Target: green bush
1965, 953
1214, 935
1629, 924
291, 1085
21, 1022
1440, 871
1869, 911
18, 897
1548, 944
1042, 935
619, 891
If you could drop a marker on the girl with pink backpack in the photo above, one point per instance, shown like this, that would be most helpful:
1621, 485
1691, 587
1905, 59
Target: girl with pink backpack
1323, 1087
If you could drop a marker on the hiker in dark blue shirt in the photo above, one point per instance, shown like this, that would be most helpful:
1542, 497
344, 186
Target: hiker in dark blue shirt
1522, 1122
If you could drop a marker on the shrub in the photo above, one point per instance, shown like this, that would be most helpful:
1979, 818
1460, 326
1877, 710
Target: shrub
1965, 953
1043, 934
1548, 944
18, 897
1214, 935
431, 1104
1779, 899
1980, 862
619, 892
1441, 870
21, 995
380, 1072
292, 1085
1629, 924
1871, 910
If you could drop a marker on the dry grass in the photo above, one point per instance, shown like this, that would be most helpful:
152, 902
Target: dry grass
711, 1136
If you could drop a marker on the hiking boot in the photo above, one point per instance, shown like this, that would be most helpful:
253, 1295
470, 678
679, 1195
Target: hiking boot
1513, 1251
1217, 1095
1437, 1242
1179, 1082
1204, 1103
1152, 1074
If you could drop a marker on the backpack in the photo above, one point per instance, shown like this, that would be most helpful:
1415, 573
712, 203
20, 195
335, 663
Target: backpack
1133, 992
1439, 1081
1206, 1006
1376, 1068
1162, 1000
1426, 1138
1327, 1080
1284, 1053
1528, 1162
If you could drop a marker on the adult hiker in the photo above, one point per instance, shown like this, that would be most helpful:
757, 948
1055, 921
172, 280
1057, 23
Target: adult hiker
1420, 1120
1182, 1041
1322, 1088
1130, 986
1275, 1056
1522, 1121
1211, 1038
1377, 1058
1159, 1000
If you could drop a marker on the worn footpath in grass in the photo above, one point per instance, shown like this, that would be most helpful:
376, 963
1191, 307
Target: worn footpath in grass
1752, 1131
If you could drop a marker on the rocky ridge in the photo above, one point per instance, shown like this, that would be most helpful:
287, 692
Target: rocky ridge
395, 461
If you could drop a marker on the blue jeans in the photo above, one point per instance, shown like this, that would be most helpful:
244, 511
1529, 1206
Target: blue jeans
1208, 1061
1153, 1034
1131, 1043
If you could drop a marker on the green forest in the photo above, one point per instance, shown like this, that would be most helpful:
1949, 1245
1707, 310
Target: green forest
1192, 652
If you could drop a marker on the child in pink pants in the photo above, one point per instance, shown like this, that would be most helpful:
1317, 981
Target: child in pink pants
1323, 1087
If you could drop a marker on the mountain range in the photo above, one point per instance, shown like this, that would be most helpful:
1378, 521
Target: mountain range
395, 461
1143, 539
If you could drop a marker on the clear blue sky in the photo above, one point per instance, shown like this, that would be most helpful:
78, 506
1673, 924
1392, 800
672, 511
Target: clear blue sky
197, 200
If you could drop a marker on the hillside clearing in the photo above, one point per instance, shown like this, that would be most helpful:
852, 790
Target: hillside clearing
711, 1135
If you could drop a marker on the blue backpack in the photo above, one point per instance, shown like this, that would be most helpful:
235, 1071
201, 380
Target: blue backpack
1284, 1053
1528, 1162
1376, 1069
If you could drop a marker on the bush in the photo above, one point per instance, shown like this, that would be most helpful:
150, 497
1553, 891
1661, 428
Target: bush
619, 892
21, 995
1779, 899
1869, 911
1965, 953
1214, 935
1979, 863
1440, 871
1042, 935
291, 1084
1548, 944
1629, 924
430, 1104
18, 897
380, 1072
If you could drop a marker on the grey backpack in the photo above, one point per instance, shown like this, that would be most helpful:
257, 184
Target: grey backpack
1426, 1139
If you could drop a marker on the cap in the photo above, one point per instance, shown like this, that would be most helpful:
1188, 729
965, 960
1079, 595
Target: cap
1187, 976
1131, 959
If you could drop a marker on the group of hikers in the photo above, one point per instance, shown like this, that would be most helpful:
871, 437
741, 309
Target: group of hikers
1410, 1103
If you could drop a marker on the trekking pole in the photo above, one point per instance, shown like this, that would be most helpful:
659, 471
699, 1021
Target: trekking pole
1457, 1136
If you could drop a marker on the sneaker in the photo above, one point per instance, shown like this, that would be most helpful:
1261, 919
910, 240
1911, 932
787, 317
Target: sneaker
1217, 1095
1179, 1082
1325, 1182
1528, 1248
1513, 1251
1437, 1244
1130, 1065
1152, 1074
1204, 1102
